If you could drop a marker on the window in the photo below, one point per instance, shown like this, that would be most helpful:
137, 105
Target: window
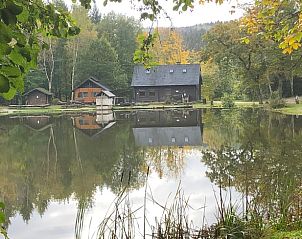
152, 93
148, 71
83, 94
82, 122
184, 70
142, 93
173, 140
171, 70
186, 139
94, 94
150, 140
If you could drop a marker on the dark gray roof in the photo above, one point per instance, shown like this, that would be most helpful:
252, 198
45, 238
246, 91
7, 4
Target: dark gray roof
168, 136
42, 90
95, 81
163, 75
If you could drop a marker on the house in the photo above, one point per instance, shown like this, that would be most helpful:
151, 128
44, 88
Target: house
168, 128
178, 82
38, 97
104, 100
93, 125
87, 91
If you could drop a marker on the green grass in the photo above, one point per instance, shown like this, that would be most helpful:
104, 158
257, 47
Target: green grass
54, 109
287, 235
291, 109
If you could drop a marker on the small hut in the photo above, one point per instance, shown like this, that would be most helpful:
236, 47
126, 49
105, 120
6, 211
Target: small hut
105, 101
38, 97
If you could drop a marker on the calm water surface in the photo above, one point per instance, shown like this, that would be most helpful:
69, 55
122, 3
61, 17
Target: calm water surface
54, 169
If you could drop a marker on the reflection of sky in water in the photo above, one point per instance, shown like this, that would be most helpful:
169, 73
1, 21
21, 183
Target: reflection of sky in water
59, 219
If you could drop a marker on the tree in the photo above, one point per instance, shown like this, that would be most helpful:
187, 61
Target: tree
21, 25
169, 48
23, 22
279, 21
101, 61
121, 32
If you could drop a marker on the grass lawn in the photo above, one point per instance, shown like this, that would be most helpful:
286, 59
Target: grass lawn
54, 109
291, 109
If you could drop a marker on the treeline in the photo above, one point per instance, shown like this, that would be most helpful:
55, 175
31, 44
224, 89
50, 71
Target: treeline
103, 49
252, 68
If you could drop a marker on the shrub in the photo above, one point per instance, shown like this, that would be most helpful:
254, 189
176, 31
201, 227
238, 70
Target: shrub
228, 101
276, 101
55, 101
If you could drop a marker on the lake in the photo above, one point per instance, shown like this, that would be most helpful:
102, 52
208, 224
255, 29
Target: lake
62, 175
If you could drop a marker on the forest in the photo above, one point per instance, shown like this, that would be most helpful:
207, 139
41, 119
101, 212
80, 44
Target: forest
236, 60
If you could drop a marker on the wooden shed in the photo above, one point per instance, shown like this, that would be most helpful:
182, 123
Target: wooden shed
104, 101
38, 97
176, 82
87, 91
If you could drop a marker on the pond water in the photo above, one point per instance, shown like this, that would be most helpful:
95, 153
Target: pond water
60, 175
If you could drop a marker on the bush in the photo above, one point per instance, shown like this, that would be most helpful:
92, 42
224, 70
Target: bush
276, 101
228, 101
55, 101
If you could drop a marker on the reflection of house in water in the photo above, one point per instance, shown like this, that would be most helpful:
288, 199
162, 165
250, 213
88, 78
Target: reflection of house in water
93, 125
37, 123
168, 128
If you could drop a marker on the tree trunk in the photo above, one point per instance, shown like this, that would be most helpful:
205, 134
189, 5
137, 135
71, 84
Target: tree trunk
280, 85
260, 97
292, 83
74, 62
269, 86
51, 65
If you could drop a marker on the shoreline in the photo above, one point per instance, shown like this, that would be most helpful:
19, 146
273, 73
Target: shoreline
289, 109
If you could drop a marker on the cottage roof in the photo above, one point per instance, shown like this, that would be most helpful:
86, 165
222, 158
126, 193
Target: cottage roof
164, 75
42, 90
108, 93
94, 81
168, 136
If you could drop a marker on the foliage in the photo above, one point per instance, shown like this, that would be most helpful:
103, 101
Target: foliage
121, 32
2, 221
279, 21
22, 24
101, 61
143, 53
228, 101
168, 48
276, 101
289, 235
232, 226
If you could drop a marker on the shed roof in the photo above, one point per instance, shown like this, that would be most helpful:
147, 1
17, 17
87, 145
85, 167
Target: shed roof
95, 81
42, 90
164, 75
107, 93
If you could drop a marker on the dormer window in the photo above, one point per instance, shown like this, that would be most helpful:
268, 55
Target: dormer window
148, 71
184, 70
171, 70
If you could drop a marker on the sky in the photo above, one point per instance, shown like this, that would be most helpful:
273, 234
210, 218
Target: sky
209, 12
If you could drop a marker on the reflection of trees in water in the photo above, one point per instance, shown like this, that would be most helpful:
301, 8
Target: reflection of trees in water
40, 166
166, 160
266, 164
